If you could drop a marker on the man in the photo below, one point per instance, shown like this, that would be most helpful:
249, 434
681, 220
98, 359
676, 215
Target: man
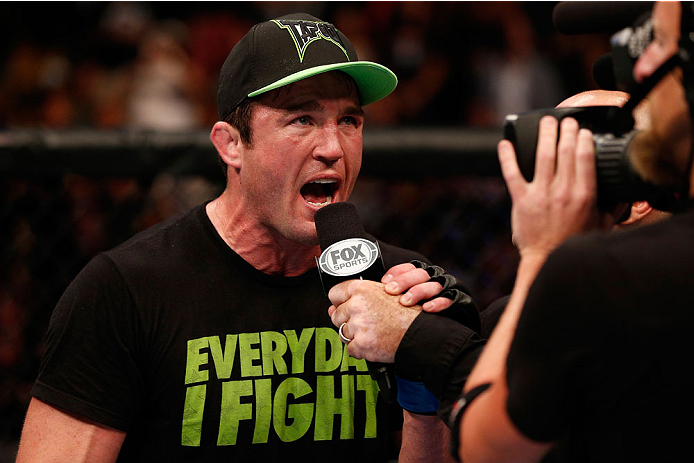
609, 314
587, 357
638, 212
624, 400
203, 338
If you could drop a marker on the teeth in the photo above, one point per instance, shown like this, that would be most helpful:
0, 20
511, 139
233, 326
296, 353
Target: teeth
327, 201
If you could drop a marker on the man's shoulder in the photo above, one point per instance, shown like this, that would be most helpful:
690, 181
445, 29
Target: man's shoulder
161, 242
657, 254
669, 237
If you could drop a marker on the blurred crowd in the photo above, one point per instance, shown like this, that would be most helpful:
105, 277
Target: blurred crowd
154, 65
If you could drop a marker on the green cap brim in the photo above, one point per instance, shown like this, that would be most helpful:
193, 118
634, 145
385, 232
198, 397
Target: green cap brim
373, 80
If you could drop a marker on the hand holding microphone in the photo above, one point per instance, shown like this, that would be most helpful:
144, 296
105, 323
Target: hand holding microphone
371, 321
375, 320
348, 254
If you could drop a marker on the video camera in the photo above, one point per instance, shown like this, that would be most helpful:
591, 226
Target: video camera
612, 126
617, 181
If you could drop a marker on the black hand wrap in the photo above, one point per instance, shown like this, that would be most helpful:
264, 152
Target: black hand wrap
463, 310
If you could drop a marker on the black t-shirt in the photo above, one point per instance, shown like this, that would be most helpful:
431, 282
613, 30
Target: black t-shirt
175, 339
601, 356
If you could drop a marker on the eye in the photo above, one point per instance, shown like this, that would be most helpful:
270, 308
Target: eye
301, 120
350, 120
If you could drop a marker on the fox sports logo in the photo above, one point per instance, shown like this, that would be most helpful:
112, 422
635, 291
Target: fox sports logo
348, 257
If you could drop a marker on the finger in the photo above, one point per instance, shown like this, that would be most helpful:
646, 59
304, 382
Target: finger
353, 331
545, 155
566, 149
437, 305
345, 331
341, 292
420, 292
407, 280
396, 271
354, 351
585, 161
338, 316
509, 167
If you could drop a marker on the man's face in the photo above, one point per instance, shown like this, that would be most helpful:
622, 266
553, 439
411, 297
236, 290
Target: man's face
305, 153
670, 136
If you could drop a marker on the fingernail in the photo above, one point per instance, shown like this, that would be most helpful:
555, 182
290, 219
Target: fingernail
406, 299
392, 287
387, 279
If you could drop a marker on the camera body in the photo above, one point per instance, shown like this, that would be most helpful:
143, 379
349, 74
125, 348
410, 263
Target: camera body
617, 181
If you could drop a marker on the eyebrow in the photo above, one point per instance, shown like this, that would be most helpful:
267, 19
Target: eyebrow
303, 106
315, 106
354, 111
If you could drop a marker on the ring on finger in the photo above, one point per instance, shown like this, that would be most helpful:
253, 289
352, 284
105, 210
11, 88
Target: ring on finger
344, 338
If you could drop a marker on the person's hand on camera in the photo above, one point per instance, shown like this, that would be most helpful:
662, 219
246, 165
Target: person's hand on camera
560, 201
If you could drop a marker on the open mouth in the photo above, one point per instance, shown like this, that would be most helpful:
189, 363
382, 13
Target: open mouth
319, 192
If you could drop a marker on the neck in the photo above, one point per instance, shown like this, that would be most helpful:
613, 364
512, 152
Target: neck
263, 248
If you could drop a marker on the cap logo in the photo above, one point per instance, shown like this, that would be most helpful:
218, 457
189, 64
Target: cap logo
304, 32
348, 257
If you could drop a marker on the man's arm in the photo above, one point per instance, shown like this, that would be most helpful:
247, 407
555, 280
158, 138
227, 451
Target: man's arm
424, 439
52, 435
559, 202
486, 419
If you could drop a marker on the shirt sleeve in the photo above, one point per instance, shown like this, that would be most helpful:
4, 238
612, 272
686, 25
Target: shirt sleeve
441, 353
90, 367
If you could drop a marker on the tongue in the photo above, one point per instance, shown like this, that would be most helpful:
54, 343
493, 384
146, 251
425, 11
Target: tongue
314, 193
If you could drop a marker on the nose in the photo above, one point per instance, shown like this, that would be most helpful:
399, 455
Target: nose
329, 146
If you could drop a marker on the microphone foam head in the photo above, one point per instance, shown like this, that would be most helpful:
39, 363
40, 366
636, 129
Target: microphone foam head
336, 222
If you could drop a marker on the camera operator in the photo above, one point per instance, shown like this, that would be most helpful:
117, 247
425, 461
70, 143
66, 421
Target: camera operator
627, 215
589, 351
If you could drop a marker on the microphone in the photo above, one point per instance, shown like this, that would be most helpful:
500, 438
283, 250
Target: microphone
348, 254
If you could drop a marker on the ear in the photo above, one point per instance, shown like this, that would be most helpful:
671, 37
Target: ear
639, 210
228, 142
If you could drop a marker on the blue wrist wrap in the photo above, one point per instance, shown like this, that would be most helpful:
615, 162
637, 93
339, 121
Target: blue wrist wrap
414, 397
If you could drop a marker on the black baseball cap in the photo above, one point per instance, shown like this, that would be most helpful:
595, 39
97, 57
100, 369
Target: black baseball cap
290, 48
